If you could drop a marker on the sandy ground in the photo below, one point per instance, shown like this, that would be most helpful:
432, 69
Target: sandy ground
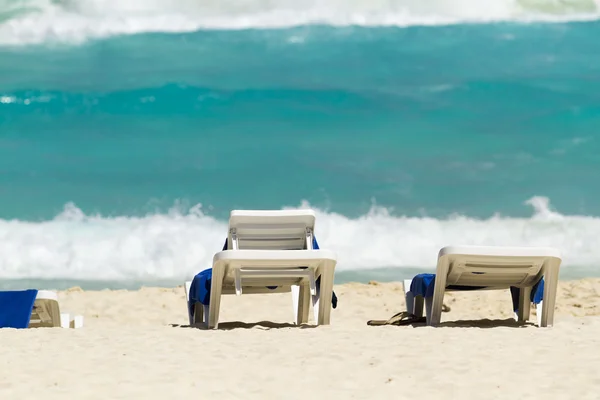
135, 344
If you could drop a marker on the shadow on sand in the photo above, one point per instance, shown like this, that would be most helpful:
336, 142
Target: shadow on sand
263, 325
482, 324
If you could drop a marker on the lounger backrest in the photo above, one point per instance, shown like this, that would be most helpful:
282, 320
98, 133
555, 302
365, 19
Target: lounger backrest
495, 266
271, 230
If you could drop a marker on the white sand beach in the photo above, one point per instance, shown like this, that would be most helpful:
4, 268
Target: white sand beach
135, 344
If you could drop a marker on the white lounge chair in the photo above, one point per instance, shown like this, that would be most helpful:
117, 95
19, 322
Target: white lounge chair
270, 248
46, 313
31, 308
490, 267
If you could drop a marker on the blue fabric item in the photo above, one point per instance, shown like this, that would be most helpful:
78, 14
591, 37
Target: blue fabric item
16, 307
423, 285
200, 288
334, 299
537, 294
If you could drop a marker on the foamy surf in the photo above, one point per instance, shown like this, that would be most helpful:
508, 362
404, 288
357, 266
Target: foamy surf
175, 246
74, 21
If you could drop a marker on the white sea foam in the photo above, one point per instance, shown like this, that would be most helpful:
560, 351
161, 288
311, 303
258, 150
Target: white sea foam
177, 245
37, 21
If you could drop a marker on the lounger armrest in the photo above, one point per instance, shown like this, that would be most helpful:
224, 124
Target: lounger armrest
500, 251
275, 256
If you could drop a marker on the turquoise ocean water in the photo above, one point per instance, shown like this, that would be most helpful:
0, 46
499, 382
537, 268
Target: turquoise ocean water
129, 130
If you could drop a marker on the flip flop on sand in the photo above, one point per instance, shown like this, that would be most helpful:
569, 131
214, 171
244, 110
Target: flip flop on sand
402, 318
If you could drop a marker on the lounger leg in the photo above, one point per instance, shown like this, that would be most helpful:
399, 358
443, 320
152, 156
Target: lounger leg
524, 304
428, 307
65, 320
197, 314
550, 286
410, 302
305, 301
315, 304
295, 301
435, 316
215, 297
301, 297
76, 322
325, 294
409, 298
414, 304
191, 312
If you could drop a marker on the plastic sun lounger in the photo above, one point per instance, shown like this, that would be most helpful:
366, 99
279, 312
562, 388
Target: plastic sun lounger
46, 313
270, 252
490, 267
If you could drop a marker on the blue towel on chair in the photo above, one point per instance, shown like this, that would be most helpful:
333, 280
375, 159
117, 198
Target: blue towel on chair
16, 307
423, 285
200, 288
